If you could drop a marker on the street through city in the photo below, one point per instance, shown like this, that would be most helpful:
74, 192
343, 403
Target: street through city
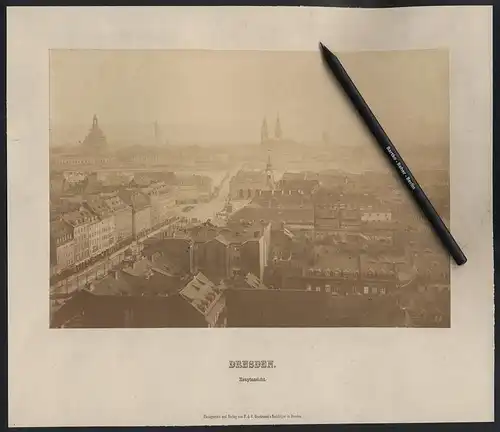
201, 212
209, 210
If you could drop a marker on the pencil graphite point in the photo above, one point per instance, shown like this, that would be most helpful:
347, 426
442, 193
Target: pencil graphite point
326, 53
323, 49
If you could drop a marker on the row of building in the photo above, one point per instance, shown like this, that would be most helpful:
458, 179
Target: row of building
84, 227
343, 241
202, 303
150, 293
204, 276
187, 188
165, 275
220, 252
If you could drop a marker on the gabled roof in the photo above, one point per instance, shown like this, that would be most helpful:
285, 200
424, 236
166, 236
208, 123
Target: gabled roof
254, 282
115, 203
138, 268
162, 264
202, 293
80, 217
110, 285
220, 238
98, 206
59, 228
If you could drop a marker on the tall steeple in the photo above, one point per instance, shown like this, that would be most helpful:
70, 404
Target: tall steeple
264, 133
277, 128
95, 139
269, 172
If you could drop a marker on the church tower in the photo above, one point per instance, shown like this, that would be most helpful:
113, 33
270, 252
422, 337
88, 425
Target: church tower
269, 173
264, 133
277, 129
95, 139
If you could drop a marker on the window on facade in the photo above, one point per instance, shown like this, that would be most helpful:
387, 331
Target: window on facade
366, 290
374, 290
318, 289
327, 288
308, 287
382, 291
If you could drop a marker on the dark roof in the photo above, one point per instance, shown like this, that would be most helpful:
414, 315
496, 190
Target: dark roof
274, 308
236, 231
71, 308
138, 268
115, 203
98, 206
201, 233
298, 308
113, 284
163, 264
329, 258
59, 229
150, 279
365, 311
80, 217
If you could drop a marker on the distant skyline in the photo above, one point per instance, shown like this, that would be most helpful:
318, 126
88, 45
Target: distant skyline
223, 96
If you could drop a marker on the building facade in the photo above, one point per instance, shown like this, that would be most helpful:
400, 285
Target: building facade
179, 250
62, 246
162, 201
248, 184
141, 211
85, 226
106, 229
213, 258
207, 299
122, 218
236, 249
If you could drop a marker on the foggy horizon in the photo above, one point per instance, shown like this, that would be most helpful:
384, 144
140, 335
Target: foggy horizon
223, 96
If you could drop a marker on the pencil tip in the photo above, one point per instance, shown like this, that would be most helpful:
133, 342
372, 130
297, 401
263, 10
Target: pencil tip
321, 46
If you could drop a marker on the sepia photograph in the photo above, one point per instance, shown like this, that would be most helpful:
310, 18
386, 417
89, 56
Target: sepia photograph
205, 188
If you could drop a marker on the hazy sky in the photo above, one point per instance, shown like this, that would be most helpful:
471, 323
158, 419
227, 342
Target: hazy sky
222, 96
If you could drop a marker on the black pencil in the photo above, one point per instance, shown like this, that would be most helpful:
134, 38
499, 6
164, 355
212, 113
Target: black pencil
392, 154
